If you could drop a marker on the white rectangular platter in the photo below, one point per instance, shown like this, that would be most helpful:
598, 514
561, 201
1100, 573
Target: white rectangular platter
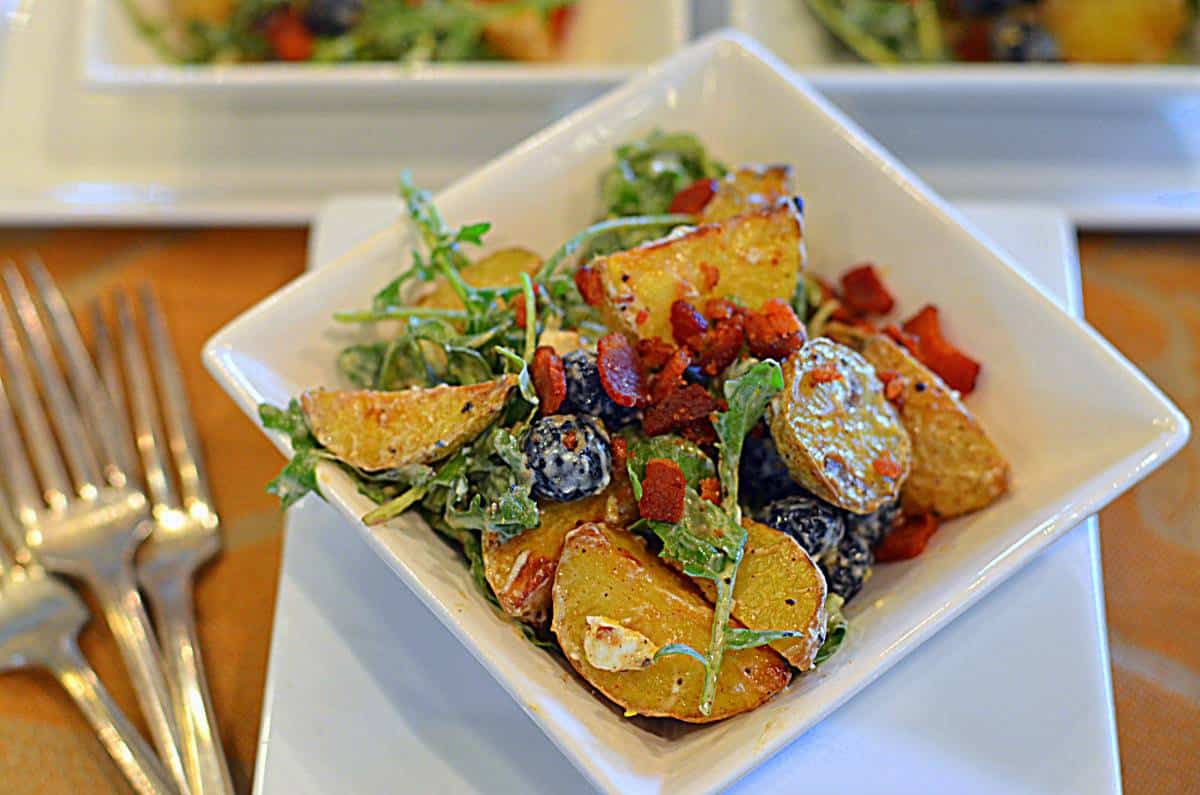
1073, 446
341, 615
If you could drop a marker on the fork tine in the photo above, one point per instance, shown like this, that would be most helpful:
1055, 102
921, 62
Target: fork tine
181, 431
81, 458
110, 374
10, 526
16, 474
146, 424
91, 397
55, 487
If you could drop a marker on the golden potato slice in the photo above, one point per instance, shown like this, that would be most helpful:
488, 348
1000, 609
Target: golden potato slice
501, 269
956, 468
748, 188
839, 436
375, 430
212, 12
778, 587
607, 572
522, 36
753, 257
521, 570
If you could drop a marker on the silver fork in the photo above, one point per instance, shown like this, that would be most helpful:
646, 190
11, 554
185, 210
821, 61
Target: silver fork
87, 524
40, 619
185, 535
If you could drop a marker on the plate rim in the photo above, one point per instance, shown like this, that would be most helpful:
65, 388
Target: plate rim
1172, 426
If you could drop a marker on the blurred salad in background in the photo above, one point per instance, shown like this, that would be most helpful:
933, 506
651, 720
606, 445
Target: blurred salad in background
408, 31
1078, 31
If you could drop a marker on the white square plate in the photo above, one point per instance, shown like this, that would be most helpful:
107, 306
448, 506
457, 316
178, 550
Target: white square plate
794, 33
1078, 422
608, 40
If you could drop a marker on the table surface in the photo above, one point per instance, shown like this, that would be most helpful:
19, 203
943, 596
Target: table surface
1142, 292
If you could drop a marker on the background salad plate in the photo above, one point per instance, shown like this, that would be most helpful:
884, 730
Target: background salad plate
608, 41
1077, 421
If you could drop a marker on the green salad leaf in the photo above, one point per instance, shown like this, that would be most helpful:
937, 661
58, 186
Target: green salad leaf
648, 172
836, 627
709, 541
299, 476
694, 462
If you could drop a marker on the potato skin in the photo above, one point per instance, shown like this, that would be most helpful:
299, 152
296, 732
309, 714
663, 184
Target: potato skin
833, 426
753, 257
956, 468
521, 570
502, 268
606, 571
748, 188
375, 430
778, 587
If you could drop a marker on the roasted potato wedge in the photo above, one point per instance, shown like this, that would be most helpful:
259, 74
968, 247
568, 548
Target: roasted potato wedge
212, 12
375, 430
839, 436
956, 468
778, 587
753, 257
521, 570
521, 36
748, 188
500, 269
607, 573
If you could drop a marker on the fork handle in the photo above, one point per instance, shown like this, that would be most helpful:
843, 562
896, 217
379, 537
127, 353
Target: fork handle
122, 741
126, 616
171, 600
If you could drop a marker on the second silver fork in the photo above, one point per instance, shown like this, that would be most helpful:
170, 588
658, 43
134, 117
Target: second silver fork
185, 535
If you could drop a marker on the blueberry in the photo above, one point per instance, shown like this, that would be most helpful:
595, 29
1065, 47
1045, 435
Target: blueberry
586, 395
872, 527
1016, 40
815, 524
988, 8
332, 17
569, 456
763, 476
847, 568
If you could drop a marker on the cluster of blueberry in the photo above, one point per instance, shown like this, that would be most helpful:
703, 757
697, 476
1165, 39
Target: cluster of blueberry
569, 452
332, 17
1013, 31
840, 542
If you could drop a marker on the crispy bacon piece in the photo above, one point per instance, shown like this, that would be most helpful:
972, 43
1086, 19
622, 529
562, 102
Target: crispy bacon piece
710, 489
590, 284
680, 408
908, 540
288, 36
887, 466
717, 309
863, 291
957, 369
700, 432
654, 352
894, 384
619, 372
722, 344
774, 332
671, 376
663, 490
694, 197
824, 374
620, 454
688, 326
549, 379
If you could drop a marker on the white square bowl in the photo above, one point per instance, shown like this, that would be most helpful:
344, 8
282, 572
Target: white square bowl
607, 42
792, 31
1078, 422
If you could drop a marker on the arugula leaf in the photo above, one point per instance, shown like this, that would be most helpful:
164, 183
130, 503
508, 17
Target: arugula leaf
836, 627
737, 638
747, 396
299, 476
704, 542
648, 172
